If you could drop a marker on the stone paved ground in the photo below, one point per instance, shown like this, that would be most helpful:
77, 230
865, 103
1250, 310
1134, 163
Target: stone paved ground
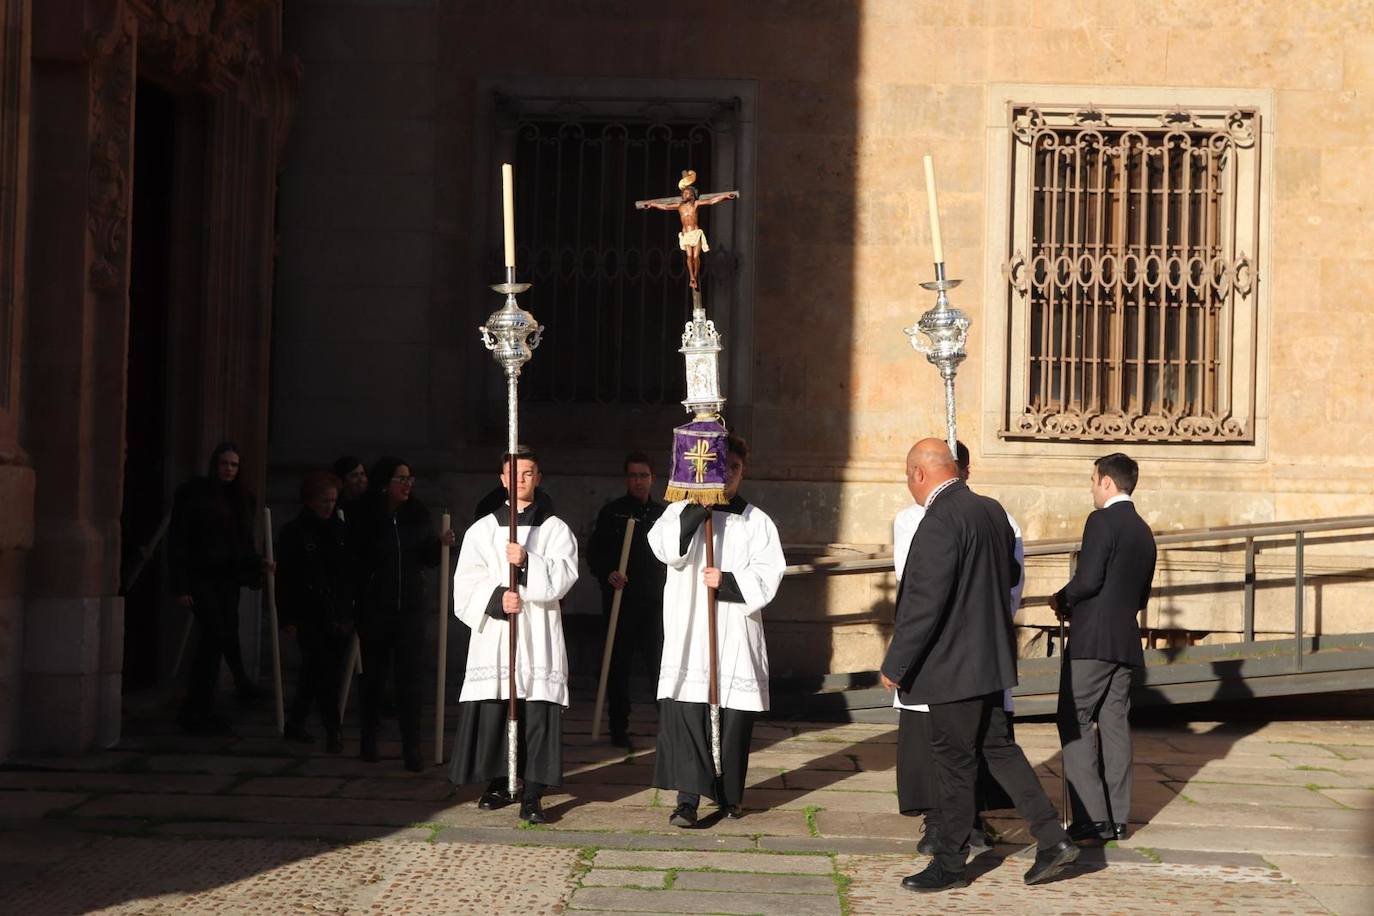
1275, 818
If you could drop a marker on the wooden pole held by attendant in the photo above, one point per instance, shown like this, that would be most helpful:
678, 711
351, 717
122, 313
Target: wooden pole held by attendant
147, 552
1064, 773
1062, 613
513, 711
272, 619
713, 688
181, 646
355, 665
610, 630
445, 584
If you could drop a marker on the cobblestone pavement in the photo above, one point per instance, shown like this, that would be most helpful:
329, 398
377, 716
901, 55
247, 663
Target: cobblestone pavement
1228, 819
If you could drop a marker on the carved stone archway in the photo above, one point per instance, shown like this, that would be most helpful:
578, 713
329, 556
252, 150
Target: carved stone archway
227, 56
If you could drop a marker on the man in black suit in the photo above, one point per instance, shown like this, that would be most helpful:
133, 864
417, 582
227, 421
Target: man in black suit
1116, 565
952, 648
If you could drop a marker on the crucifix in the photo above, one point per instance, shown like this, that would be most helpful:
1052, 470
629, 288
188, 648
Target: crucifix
692, 240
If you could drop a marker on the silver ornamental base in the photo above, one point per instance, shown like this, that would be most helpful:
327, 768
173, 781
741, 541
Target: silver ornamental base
715, 738
946, 328
510, 755
701, 351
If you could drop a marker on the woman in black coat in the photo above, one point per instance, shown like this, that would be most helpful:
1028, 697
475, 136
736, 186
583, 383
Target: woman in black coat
315, 582
395, 544
211, 556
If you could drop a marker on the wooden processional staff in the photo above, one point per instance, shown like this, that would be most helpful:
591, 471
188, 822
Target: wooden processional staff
511, 334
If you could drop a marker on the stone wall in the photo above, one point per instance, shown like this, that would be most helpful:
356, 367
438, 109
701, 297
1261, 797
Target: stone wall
385, 228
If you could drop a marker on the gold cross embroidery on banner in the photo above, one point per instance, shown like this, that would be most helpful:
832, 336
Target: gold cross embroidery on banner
699, 455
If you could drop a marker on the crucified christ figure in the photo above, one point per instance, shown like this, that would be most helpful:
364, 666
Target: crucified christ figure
692, 240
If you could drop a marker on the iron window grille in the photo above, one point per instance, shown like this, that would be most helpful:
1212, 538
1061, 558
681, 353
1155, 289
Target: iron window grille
1131, 277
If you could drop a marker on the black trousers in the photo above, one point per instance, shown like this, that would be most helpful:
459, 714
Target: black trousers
638, 634
960, 732
216, 610
324, 649
393, 649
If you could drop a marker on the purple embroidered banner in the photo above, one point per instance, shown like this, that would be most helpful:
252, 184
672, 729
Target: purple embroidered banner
699, 452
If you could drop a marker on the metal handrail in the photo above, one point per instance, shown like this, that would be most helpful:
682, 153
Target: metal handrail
1297, 529
1053, 546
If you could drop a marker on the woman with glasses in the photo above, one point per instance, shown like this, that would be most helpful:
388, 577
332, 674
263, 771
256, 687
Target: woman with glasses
395, 543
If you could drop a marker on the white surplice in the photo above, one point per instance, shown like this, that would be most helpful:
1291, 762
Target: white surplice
904, 532
747, 545
541, 657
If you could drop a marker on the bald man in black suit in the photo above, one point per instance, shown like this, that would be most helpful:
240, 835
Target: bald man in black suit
952, 648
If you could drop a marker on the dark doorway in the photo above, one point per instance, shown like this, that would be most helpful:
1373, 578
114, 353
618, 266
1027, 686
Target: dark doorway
146, 502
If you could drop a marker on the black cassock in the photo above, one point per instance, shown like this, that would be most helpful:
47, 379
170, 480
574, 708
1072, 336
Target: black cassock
479, 748
917, 791
683, 751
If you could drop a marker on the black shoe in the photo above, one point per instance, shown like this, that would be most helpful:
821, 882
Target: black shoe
683, 815
413, 761
1091, 830
930, 843
295, 731
189, 722
733, 812
333, 743
494, 798
367, 749
622, 739
532, 812
1119, 831
249, 694
935, 878
1050, 862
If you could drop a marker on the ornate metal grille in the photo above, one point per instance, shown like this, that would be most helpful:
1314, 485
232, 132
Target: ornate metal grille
1132, 274
609, 280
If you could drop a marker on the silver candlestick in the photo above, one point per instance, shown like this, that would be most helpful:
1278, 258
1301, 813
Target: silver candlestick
946, 328
511, 334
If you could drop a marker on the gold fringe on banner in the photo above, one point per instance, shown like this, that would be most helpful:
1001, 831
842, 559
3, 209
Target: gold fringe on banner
714, 497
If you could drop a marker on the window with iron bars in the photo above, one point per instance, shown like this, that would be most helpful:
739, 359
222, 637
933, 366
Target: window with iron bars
1131, 270
609, 282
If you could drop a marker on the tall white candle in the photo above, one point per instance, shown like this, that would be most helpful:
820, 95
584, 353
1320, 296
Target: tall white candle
934, 212
508, 209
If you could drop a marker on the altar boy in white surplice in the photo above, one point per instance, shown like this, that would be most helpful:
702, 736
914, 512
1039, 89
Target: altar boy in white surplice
749, 567
546, 554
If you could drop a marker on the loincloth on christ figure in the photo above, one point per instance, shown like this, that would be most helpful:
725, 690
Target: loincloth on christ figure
692, 238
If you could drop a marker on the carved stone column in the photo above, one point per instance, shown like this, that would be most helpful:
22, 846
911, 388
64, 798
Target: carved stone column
16, 476
83, 74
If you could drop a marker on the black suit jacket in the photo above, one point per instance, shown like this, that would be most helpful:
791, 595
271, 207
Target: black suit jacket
1111, 584
645, 573
952, 638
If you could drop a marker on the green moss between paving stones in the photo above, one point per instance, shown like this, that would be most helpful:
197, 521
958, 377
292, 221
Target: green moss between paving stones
810, 813
841, 885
